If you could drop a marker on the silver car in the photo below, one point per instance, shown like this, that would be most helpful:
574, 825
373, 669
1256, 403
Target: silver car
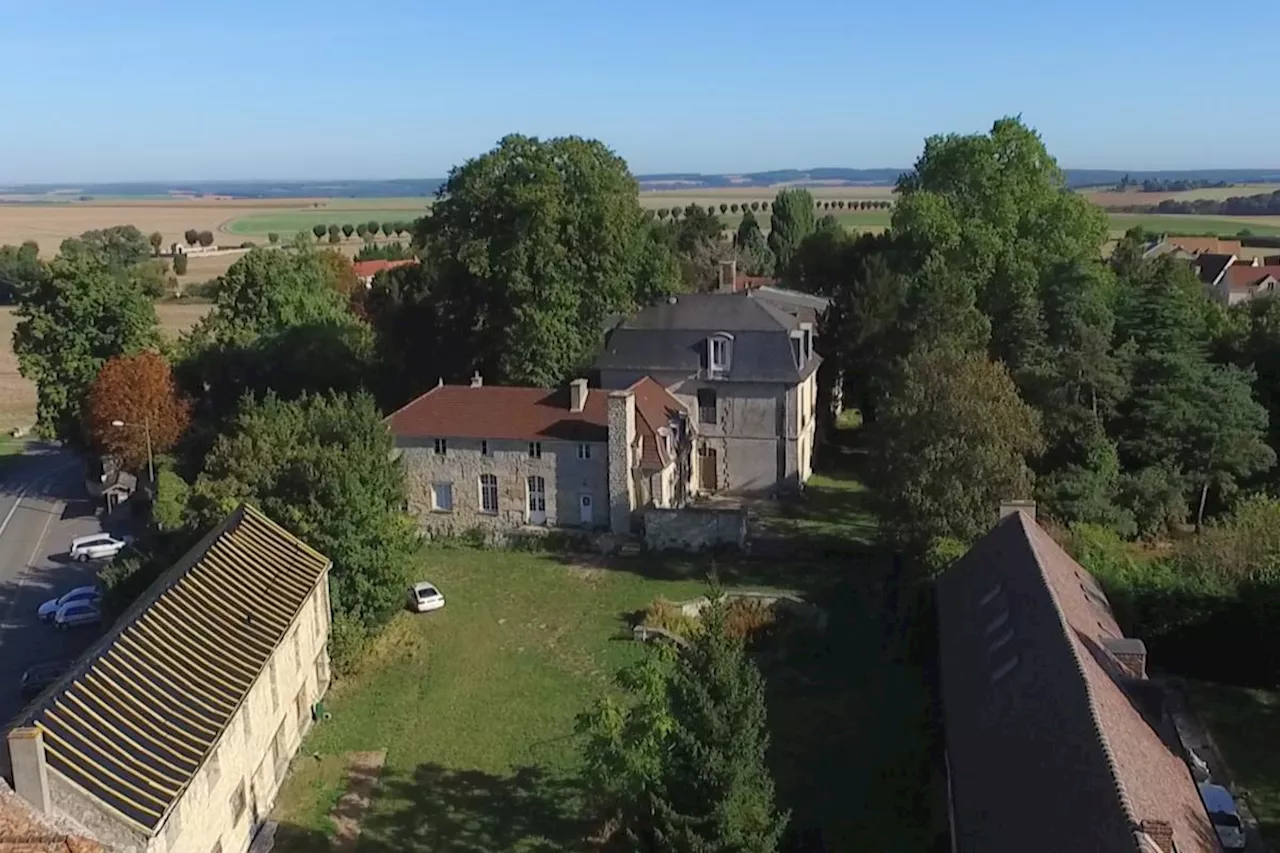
49, 609
98, 546
77, 613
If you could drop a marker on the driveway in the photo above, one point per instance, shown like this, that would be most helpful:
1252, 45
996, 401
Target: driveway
43, 506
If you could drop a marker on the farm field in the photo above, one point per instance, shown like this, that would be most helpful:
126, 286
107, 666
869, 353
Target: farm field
1111, 198
1171, 223
18, 395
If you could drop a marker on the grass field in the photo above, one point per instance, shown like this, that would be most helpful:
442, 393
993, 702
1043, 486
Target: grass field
1262, 226
1245, 724
18, 395
288, 222
475, 704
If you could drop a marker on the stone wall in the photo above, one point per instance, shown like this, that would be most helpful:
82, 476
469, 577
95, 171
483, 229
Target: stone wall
566, 477
694, 529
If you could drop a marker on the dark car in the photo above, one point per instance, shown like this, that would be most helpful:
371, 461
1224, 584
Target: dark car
41, 675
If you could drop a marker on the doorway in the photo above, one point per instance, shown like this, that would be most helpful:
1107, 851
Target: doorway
706, 468
586, 510
537, 500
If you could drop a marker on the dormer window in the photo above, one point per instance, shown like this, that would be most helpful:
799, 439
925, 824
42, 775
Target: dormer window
797, 349
807, 330
719, 353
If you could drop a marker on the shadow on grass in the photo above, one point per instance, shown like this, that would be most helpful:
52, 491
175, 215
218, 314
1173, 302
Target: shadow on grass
467, 811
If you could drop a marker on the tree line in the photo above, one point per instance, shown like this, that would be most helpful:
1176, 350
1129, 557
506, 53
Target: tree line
364, 230
757, 206
1260, 204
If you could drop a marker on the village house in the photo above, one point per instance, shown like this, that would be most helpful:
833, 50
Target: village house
497, 458
172, 734
748, 369
366, 271
1055, 739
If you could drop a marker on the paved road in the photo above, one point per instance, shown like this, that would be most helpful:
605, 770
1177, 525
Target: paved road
43, 506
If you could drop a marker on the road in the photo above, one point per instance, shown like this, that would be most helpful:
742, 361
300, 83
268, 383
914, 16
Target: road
43, 506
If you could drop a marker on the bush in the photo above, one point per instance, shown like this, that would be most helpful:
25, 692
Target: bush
248, 244
273, 238
749, 618
171, 499
180, 264
348, 639
207, 289
206, 238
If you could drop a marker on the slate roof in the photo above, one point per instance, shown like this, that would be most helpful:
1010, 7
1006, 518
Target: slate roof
22, 830
134, 721
671, 337
656, 407
806, 307
502, 412
1046, 738
1210, 266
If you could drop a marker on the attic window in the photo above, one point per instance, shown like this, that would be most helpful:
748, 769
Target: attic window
719, 352
1004, 669
797, 349
807, 330
990, 595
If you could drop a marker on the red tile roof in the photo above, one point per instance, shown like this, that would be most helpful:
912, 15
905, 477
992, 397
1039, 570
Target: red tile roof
1240, 277
655, 408
368, 269
502, 413
1047, 736
1206, 244
23, 831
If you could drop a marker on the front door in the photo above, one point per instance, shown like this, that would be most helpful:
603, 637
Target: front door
707, 468
537, 500
586, 511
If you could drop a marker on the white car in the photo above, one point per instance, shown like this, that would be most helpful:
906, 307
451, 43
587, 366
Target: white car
77, 613
49, 609
1224, 815
99, 546
424, 597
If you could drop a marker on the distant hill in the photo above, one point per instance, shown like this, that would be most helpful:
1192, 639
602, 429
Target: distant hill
426, 187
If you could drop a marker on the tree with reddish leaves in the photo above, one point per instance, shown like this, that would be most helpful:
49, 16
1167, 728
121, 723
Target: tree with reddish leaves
137, 391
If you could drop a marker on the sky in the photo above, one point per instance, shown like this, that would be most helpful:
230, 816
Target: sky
312, 89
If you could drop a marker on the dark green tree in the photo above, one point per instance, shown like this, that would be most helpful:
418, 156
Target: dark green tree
156, 240
348, 229
530, 247
273, 238
753, 250
335, 233
180, 264
724, 208
373, 226
362, 230
20, 270
790, 222
206, 238
71, 321
118, 247
192, 236
318, 230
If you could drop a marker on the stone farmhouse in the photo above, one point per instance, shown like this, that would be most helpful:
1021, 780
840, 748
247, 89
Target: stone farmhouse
1055, 739
746, 366
496, 458
172, 734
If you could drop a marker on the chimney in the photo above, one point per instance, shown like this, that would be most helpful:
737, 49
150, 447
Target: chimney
577, 395
622, 437
477, 380
728, 276
30, 774
1131, 653
1160, 832
1009, 507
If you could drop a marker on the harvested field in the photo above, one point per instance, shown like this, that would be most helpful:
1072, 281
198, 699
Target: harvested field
1111, 198
18, 395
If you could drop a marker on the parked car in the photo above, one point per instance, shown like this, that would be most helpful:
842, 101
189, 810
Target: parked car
424, 597
81, 593
98, 546
1224, 815
77, 613
40, 676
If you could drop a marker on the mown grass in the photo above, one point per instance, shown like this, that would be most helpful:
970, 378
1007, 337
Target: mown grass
1169, 223
1245, 724
475, 704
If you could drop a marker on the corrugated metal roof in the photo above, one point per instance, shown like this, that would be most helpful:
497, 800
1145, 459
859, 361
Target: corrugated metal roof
133, 721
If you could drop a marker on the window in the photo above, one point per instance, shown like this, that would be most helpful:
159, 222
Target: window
297, 652
807, 330
488, 493
719, 353
797, 349
484, 448
278, 754
301, 704
214, 769
535, 450
275, 688
442, 447
537, 496
322, 672
707, 406
237, 803
442, 497
584, 451
248, 720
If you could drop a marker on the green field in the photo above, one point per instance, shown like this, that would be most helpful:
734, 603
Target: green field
1226, 226
289, 221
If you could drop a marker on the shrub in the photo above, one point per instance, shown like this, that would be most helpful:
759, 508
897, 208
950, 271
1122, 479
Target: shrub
749, 618
171, 499
348, 639
180, 264
206, 238
248, 244
273, 238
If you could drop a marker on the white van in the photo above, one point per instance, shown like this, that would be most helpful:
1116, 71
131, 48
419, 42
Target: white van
1224, 815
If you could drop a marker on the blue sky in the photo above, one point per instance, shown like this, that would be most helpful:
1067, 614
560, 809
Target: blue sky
142, 90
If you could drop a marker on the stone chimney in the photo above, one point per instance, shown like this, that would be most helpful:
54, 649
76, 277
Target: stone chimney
1131, 653
1160, 832
477, 380
622, 437
577, 395
1009, 507
30, 773
728, 276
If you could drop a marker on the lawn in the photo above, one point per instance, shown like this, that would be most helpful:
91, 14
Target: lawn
1245, 724
1170, 223
475, 704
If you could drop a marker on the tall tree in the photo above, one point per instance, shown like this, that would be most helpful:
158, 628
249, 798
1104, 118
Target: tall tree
206, 238
118, 247
790, 222
952, 441
318, 230
348, 230
20, 270
993, 209
530, 247
753, 250
138, 392
157, 240
69, 323
192, 236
